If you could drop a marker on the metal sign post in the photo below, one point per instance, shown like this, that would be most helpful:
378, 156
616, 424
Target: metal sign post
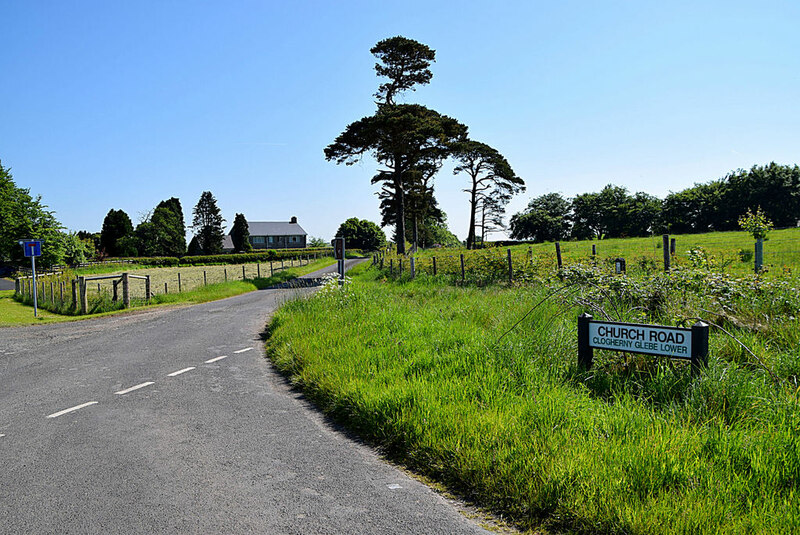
33, 248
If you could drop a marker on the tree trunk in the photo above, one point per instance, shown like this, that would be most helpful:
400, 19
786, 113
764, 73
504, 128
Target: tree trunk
414, 249
472, 207
400, 229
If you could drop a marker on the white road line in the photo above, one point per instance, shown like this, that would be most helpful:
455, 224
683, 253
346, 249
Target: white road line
137, 387
173, 374
243, 350
66, 411
215, 359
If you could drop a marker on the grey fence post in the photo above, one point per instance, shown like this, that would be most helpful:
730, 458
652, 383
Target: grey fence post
126, 291
699, 346
413, 270
510, 268
147, 288
558, 254
665, 246
759, 261
585, 352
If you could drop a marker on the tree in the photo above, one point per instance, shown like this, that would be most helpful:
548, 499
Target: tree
24, 217
207, 224
77, 250
116, 226
488, 170
405, 62
317, 242
546, 218
361, 234
240, 235
404, 138
194, 247
170, 227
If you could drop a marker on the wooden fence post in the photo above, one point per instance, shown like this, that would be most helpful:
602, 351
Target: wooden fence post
434, 266
205, 279
74, 293
226, 273
180, 289
585, 353
52, 293
510, 268
413, 271
166, 288
147, 288
126, 291
665, 246
17, 286
258, 270
271, 272
114, 295
84, 297
672, 246
463, 272
558, 255
61, 292
594, 249
244, 276
699, 346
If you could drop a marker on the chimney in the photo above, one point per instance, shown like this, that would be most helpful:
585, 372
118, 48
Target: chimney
293, 220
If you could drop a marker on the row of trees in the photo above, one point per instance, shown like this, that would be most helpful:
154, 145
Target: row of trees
163, 232
410, 142
715, 205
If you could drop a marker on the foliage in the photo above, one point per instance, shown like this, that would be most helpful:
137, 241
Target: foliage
76, 250
491, 177
207, 224
170, 228
317, 242
24, 217
240, 235
405, 62
756, 224
614, 213
547, 218
361, 234
194, 247
116, 226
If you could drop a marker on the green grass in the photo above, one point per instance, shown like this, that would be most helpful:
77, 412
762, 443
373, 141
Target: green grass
637, 445
15, 313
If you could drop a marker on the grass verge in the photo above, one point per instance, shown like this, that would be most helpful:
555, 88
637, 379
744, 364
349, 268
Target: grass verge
421, 370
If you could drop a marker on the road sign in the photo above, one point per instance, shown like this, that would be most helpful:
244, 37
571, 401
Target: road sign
338, 248
31, 247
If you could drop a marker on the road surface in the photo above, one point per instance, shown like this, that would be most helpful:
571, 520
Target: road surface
172, 421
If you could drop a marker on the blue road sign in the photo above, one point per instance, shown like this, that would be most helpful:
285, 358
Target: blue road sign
32, 247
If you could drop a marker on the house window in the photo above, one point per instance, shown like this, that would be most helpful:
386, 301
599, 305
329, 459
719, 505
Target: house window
272, 239
294, 238
258, 239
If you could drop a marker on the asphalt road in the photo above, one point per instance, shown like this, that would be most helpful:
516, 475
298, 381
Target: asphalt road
6, 284
173, 421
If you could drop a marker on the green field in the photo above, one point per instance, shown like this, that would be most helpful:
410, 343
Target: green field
730, 252
478, 388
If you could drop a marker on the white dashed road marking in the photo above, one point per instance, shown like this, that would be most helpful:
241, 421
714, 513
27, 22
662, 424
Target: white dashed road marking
67, 411
137, 387
173, 374
243, 350
215, 359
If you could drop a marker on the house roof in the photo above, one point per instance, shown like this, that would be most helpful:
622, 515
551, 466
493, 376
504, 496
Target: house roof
227, 242
275, 228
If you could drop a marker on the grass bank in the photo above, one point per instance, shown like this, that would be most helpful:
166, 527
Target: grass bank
424, 370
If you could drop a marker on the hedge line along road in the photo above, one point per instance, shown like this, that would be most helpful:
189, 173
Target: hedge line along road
172, 421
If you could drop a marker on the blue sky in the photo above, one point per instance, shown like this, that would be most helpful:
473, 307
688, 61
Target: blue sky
123, 104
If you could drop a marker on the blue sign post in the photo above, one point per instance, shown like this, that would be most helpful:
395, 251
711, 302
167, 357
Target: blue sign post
32, 249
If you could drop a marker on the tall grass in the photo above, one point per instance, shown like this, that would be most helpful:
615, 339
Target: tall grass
637, 445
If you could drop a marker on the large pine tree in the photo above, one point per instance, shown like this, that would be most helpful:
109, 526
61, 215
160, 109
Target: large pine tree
207, 224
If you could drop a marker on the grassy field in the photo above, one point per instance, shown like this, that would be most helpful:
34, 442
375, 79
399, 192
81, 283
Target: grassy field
439, 378
192, 285
730, 252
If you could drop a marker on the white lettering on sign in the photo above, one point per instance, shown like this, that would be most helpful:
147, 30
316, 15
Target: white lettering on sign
656, 340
